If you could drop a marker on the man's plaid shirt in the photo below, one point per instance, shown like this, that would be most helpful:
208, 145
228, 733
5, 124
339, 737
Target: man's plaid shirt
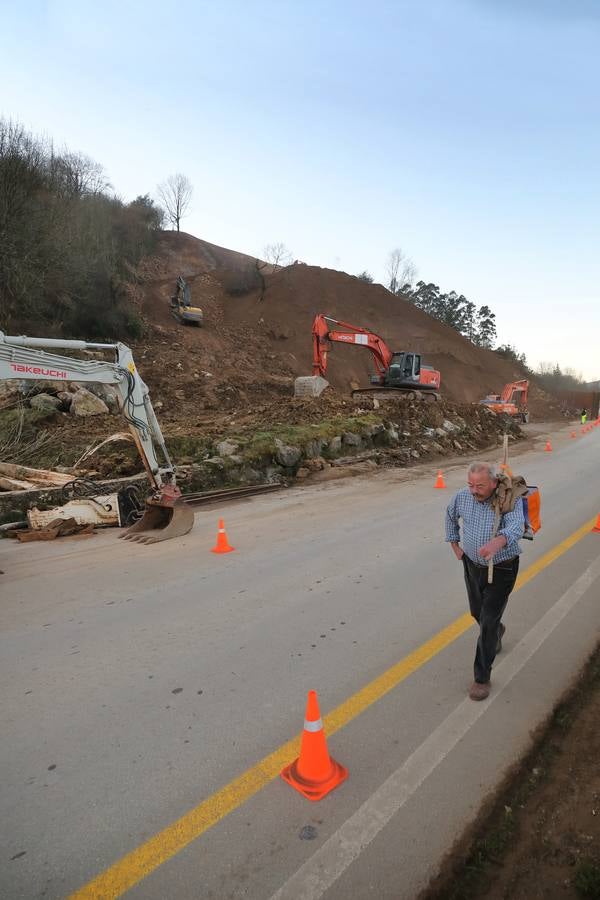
477, 524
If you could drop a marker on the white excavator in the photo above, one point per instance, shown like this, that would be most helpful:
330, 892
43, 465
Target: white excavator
166, 514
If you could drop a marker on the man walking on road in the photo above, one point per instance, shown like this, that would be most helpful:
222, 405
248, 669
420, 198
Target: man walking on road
473, 507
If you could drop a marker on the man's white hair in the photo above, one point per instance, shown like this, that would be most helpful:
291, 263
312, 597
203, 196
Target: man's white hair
482, 467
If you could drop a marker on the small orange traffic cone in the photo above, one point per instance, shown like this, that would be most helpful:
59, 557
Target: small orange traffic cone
314, 773
222, 545
573, 434
440, 483
597, 525
548, 447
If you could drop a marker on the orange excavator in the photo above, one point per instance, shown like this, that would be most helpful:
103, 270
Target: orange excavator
399, 372
511, 402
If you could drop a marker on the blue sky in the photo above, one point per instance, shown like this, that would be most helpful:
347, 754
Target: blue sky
466, 132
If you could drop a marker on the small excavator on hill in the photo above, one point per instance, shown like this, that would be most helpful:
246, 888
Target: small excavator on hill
396, 373
166, 515
511, 402
181, 305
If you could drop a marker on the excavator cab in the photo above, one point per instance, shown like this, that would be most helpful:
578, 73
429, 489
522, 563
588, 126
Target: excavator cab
404, 370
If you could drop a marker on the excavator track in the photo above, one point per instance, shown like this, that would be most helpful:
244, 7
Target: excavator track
389, 393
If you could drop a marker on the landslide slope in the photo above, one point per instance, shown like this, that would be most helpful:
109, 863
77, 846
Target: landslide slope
257, 333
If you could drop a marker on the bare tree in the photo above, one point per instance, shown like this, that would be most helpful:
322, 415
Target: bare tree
401, 271
77, 175
176, 194
277, 255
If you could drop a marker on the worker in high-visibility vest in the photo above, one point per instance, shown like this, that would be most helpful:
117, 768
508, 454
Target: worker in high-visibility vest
583, 416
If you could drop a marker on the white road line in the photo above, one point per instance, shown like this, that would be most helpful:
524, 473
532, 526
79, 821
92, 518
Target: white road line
344, 846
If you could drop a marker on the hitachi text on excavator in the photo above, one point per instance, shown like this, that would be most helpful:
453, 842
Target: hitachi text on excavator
401, 372
166, 514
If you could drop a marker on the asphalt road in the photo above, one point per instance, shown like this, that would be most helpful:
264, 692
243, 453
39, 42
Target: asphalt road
149, 693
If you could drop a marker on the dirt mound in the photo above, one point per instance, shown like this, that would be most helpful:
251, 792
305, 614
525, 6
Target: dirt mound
191, 255
257, 334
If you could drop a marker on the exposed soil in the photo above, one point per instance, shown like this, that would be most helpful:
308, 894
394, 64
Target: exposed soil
64, 438
540, 836
252, 346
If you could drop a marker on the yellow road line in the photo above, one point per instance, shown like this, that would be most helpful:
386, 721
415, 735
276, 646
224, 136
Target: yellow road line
548, 558
135, 866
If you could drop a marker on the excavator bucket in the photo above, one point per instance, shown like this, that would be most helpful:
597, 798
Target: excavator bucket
161, 523
310, 386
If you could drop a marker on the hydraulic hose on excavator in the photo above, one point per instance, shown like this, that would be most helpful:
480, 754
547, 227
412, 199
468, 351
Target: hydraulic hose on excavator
166, 514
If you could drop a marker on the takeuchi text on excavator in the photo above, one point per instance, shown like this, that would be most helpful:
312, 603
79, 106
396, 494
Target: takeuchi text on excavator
166, 514
511, 402
401, 372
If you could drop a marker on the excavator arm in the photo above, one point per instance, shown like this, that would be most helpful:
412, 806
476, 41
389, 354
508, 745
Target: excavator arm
23, 358
516, 392
323, 338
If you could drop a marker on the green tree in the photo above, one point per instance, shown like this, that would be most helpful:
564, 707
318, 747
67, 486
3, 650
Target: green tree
486, 327
68, 247
507, 351
453, 309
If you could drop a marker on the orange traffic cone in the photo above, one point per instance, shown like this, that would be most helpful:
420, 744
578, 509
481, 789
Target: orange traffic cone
573, 434
548, 447
222, 545
440, 483
597, 525
314, 773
